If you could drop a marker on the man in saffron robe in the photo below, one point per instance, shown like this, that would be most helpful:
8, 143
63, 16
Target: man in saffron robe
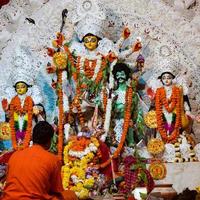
35, 173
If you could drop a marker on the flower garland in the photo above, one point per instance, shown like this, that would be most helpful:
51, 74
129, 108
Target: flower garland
92, 69
76, 103
171, 104
61, 115
127, 116
78, 153
15, 107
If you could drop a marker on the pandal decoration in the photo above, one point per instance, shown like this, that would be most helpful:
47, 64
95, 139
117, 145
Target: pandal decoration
78, 172
155, 146
171, 105
17, 110
150, 119
157, 170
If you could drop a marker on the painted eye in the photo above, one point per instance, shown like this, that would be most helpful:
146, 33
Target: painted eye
86, 40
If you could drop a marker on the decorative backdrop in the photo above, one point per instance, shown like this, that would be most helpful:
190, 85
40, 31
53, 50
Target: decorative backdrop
169, 30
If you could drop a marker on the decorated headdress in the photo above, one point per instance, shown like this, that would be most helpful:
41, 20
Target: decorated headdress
166, 66
161, 67
140, 58
23, 66
24, 69
88, 18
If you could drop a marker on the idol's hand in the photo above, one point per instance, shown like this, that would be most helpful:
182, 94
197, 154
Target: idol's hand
50, 69
5, 105
126, 33
137, 46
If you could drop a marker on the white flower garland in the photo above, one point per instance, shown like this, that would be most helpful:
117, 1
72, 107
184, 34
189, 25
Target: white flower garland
97, 67
80, 154
109, 103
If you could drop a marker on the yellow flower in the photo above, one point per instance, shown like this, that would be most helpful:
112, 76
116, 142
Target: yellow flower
95, 141
79, 186
83, 194
198, 189
88, 183
60, 60
89, 156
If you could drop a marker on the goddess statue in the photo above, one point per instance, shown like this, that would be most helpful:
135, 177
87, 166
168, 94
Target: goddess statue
173, 117
22, 103
85, 63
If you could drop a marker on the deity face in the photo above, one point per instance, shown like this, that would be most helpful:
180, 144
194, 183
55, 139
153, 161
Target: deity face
140, 66
167, 79
21, 88
121, 76
90, 42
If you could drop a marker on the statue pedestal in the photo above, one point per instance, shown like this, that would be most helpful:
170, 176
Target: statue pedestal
181, 176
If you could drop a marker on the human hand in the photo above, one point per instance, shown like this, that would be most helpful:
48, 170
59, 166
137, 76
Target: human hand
36, 110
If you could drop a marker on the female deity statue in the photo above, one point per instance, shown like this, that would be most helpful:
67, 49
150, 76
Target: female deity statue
172, 108
22, 103
173, 118
85, 63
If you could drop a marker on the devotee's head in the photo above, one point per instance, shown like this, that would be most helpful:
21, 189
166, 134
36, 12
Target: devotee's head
42, 134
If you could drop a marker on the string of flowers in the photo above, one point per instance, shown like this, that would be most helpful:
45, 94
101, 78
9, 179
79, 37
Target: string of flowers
127, 116
77, 105
27, 109
77, 172
99, 75
61, 114
69, 55
172, 104
105, 99
95, 72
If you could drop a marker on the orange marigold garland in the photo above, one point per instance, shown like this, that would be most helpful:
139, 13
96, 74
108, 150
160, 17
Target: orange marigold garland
61, 115
127, 116
172, 104
15, 107
100, 73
